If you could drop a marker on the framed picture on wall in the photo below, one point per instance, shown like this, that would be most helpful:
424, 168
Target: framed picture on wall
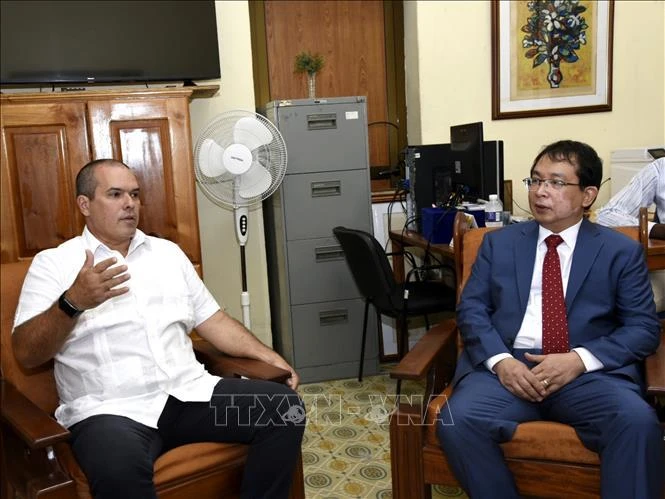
551, 57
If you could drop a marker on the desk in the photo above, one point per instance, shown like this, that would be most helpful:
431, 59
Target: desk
400, 240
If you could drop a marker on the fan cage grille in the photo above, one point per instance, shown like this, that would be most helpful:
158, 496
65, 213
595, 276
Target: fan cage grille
223, 189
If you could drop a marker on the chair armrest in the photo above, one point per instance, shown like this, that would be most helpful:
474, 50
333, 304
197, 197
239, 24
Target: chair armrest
655, 369
224, 365
438, 344
32, 425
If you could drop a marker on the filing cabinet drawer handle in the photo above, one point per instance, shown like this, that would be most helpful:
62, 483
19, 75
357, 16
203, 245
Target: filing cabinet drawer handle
331, 317
325, 121
324, 189
328, 253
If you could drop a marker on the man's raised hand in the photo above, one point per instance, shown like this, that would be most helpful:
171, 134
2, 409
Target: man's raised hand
95, 284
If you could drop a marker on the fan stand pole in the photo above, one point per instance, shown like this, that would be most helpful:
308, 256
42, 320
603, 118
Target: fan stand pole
244, 296
240, 215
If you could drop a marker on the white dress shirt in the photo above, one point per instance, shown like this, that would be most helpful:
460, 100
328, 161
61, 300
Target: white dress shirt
127, 355
645, 188
530, 334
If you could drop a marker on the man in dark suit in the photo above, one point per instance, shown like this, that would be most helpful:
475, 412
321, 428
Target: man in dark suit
526, 358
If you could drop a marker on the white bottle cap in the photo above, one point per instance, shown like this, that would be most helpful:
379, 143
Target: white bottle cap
493, 197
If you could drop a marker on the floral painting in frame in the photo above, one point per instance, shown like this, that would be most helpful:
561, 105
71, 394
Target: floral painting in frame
551, 57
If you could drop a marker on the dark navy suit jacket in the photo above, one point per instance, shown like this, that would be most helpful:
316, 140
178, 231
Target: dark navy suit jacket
609, 300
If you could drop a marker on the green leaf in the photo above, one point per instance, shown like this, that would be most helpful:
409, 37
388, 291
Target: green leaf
309, 63
539, 60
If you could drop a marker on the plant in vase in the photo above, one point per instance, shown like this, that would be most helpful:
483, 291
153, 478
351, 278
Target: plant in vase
555, 30
309, 63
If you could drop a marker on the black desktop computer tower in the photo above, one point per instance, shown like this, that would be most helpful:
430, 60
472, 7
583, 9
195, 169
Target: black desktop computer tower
429, 172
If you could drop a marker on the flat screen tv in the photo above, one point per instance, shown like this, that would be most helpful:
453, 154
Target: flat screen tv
99, 41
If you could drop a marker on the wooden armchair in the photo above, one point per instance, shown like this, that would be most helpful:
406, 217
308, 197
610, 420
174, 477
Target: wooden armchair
547, 459
37, 460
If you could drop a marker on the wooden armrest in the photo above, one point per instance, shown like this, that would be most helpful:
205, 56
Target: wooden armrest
32, 425
655, 369
226, 366
438, 341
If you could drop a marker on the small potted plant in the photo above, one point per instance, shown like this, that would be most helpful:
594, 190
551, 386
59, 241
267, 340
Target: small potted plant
309, 63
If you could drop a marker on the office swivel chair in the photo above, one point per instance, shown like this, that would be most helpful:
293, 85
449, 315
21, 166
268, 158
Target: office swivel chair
374, 277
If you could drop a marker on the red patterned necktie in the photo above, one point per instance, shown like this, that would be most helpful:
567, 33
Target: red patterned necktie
555, 323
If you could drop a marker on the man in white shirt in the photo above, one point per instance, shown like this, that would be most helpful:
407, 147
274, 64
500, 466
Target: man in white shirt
114, 309
646, 188
573, 356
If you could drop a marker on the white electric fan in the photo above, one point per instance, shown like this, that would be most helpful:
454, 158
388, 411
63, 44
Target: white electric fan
240, 161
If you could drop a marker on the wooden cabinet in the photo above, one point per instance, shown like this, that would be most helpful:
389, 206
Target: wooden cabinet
48, 138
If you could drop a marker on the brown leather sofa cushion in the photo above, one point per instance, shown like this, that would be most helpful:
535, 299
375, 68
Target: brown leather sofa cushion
170, 468
198, 458
543, 440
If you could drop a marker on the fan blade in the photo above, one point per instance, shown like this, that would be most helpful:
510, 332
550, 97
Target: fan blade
211, 158
255, 182
251, 133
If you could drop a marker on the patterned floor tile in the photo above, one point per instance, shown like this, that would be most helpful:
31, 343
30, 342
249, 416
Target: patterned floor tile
346, 448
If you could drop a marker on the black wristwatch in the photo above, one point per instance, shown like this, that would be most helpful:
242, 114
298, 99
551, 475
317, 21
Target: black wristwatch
67, 307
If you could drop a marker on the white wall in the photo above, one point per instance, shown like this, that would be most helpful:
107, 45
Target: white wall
448, 72
448, 67
220, 249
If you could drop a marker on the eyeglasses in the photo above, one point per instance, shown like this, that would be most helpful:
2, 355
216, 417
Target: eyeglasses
533, 184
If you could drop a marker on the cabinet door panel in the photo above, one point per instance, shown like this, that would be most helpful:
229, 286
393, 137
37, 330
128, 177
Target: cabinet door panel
318, 202
330, 333
152, 136
310, 128
316, 261
44, 146
140, 145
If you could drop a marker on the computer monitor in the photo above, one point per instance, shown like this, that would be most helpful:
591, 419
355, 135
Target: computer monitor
437, 174
467, 160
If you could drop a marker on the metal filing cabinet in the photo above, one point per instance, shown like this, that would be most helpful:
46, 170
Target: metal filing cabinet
317, 310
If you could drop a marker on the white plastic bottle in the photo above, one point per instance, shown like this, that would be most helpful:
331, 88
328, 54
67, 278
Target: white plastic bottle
494, 212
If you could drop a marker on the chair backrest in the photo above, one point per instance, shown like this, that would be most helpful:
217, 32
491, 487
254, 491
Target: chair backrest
37, 384
367, 261
466, 243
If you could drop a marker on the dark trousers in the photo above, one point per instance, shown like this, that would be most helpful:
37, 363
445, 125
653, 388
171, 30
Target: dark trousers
117, 454
608, 413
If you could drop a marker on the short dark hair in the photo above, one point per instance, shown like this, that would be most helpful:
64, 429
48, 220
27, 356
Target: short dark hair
86, 183
587, 163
